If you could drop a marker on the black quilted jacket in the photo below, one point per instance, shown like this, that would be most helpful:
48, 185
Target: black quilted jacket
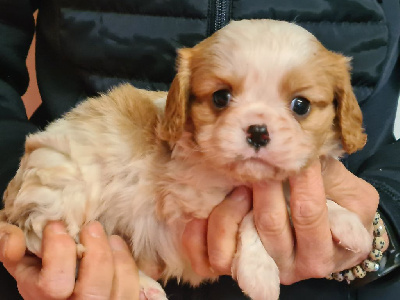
87, 46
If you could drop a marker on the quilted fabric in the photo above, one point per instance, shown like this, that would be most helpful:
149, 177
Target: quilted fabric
126, 37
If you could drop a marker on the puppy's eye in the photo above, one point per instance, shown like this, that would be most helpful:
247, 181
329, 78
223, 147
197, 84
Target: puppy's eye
300, 106
221, 98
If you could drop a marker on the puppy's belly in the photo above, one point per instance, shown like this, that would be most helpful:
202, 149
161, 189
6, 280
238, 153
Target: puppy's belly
151, 213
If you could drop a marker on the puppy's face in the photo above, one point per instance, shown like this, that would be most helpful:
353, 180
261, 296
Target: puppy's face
262, 99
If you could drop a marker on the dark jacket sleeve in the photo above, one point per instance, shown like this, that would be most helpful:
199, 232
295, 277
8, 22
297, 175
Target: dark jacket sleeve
16, 31
382, 168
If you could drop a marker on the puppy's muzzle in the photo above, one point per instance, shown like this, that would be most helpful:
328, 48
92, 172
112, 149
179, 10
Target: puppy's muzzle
257, 136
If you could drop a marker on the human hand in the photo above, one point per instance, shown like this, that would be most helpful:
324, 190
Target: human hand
106, 271
308, 251
210, 244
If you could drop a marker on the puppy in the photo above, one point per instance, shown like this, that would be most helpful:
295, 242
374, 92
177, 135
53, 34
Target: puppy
258, 100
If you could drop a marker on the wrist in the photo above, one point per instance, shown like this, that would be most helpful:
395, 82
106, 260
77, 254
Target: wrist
379, 263
390, 260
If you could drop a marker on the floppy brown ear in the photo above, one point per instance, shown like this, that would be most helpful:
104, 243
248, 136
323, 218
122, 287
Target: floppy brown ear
348, 111
174, 120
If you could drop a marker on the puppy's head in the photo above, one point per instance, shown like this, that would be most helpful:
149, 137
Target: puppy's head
262, 99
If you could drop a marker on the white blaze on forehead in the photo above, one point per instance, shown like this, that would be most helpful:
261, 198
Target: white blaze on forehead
266, 47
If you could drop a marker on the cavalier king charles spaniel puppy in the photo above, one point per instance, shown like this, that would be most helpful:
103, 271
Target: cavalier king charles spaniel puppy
258, 100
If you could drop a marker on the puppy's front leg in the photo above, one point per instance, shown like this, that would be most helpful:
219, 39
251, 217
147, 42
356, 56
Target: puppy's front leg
347, 229
256, 272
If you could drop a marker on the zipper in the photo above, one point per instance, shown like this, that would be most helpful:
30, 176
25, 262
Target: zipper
219, 14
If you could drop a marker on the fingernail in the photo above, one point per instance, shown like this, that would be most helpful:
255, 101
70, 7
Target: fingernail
116, 243
57, 227
95, 229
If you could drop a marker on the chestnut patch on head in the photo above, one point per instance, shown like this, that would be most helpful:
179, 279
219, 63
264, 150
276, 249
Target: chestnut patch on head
325, 82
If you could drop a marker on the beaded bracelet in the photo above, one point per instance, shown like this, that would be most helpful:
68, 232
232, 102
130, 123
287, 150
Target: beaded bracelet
371, 263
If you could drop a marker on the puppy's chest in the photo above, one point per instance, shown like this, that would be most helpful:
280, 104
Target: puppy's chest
176, 189
192, 190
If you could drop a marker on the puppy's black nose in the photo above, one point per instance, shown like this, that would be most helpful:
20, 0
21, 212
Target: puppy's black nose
257, 136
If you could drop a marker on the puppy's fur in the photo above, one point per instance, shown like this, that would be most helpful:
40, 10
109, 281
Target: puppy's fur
144, 168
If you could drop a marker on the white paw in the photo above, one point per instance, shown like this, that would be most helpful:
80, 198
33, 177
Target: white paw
348, 230
151, 288
255, 271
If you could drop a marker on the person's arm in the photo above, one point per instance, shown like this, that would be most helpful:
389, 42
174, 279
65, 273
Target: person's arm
16, 30
382, 170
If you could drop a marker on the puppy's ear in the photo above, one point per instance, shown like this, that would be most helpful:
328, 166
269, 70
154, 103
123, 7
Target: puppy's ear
174, 120
349, 114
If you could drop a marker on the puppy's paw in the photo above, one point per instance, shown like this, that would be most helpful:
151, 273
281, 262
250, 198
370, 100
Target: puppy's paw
151, 288
80, 249
255, 271
348, 230
257, 276
33, 240
34, 236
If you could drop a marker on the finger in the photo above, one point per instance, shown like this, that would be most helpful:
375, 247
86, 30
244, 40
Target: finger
314, 246
26, 273
12, 243
126, 276
350, 191
273, 225
96, 270
25, 270
223, 226
53, 277
57, 277
194, 242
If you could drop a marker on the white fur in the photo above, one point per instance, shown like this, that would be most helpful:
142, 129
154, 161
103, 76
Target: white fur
256, 272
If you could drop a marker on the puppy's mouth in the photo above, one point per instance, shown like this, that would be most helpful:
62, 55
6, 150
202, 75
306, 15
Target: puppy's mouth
252, 159
255, 169
257, 162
